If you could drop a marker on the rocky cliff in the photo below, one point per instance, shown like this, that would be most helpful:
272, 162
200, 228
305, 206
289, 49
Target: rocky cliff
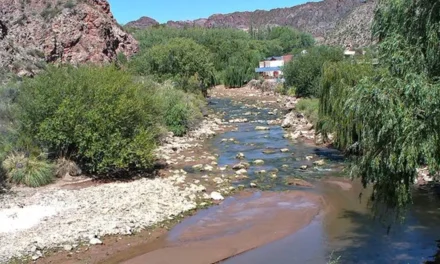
320, 19
75, 31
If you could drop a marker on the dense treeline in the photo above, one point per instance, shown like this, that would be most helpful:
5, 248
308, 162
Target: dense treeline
215, 56
388, 114
103, 118
109, 119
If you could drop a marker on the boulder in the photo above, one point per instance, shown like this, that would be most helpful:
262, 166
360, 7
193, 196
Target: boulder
258, 162
262, 128
319, 163
95, 241
242, 165
240, 156
284, 150
216, 196
241, 172
289, 120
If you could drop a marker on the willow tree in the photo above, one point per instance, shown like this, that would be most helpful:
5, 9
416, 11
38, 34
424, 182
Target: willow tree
396, 110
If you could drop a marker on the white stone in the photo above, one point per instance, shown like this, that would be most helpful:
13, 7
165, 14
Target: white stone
253, 185
216, 196
259, 162
209, 168
262, 128
67, 247
241, 172
240, 156
284, 150
95, 241
319, 163
198, 167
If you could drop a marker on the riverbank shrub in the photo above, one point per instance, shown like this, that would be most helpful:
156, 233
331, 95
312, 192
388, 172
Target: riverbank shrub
30, 171
182, 60
310, 108
338, 83
395, 110
181, 111
97, 116
304, 72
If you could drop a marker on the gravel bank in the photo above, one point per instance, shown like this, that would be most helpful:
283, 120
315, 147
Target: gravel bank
34, 220
52, 218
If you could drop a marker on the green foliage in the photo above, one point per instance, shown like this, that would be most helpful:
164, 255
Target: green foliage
179, 59
30, 171
392, 113
309, 107
288, 38
338, 83
304, 71
234, 53
181, 111
97, 116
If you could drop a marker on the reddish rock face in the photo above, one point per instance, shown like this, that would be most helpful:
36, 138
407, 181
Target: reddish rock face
143, 22
71, 31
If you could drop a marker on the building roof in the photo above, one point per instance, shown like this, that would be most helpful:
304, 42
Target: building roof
267, 69
275, 57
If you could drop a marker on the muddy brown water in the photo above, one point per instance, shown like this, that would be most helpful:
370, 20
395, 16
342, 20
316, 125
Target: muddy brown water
291, 224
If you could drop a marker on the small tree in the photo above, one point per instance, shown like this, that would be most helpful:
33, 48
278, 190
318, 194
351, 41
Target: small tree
180, 59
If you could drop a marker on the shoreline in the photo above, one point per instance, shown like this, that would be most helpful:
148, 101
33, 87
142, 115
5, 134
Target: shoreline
173, 152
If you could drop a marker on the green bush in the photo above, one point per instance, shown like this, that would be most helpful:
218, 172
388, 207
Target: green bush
309, 107
97, 116
32, 172
304, 71
179, 59
181, 111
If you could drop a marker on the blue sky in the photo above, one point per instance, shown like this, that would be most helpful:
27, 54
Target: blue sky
164, 10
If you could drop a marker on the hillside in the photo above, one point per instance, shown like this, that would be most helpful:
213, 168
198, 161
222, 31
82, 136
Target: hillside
320, 19
76, 31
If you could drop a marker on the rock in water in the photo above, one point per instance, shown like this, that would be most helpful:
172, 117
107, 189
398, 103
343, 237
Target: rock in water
253, 185
241, 165
319, 163
259, 162
284, 150
240, 156
262, 128
95, 241
240, 172
216, 196
304, 167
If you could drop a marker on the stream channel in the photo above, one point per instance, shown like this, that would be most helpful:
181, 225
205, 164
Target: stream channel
346, 230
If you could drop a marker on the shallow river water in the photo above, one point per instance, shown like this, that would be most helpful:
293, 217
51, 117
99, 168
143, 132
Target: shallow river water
346, 230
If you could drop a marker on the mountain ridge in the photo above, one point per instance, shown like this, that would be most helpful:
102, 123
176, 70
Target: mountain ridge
320, 19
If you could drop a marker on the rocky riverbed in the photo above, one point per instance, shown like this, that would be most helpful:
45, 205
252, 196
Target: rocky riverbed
65, 215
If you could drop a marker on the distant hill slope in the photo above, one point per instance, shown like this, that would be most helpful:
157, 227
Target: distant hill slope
142, 22
74, 31
350, 19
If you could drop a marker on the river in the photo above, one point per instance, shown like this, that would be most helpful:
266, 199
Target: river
346, 230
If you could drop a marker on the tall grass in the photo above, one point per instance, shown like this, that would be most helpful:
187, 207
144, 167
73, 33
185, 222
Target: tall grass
30, 171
